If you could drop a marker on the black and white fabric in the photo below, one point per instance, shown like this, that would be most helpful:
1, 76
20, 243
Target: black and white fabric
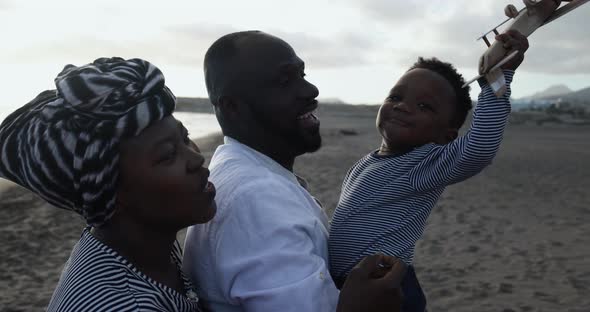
63, 145
97, 278
386, 200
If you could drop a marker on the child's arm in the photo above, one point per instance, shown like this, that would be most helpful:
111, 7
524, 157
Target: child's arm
471, 153
468, 155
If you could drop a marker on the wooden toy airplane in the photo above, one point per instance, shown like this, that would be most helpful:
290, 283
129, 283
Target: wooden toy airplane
534, 15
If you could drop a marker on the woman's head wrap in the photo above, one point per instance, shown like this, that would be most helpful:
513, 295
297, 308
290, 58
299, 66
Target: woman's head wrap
64, 145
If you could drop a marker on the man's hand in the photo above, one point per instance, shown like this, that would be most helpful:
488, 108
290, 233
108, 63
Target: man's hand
513, 40
373, 285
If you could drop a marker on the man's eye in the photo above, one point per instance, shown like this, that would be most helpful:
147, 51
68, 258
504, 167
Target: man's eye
284, 80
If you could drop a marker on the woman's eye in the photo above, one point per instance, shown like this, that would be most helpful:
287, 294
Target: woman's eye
168, 156
187, 139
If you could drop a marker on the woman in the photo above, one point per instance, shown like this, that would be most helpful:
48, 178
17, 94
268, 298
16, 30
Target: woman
105, 145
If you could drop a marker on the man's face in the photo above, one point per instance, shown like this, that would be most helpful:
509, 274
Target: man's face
279, 99
417, 111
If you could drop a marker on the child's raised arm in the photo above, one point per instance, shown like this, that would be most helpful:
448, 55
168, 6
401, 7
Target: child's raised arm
471, 153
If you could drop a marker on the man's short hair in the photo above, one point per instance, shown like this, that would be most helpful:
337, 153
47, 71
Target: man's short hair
219, 63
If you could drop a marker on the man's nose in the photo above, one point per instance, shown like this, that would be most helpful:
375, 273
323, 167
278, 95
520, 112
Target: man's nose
310, 91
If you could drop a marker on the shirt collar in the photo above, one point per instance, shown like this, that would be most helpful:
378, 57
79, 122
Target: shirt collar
266, 161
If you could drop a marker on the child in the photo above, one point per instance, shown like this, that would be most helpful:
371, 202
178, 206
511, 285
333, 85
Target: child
388, 194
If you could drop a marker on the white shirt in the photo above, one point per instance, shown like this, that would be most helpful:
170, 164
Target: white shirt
267, 247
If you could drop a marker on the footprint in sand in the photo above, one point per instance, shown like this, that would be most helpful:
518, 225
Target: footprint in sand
545, 297
460, 217
556, 244
526, 308
506, 288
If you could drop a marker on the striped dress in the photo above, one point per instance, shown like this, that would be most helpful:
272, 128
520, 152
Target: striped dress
96, 278
385, 200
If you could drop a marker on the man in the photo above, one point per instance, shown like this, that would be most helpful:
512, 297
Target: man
266, 249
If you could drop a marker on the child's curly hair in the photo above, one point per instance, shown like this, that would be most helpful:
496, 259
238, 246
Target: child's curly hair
456, 80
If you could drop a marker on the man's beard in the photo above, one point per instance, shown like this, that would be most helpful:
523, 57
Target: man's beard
300, 140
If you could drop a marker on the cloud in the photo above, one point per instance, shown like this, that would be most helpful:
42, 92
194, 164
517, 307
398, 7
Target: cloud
339, 50
395, 12
447, 30
379, 32
5, 4
562, 46
170, 45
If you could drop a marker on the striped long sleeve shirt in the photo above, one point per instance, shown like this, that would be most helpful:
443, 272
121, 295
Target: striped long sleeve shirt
385, 200
97, 278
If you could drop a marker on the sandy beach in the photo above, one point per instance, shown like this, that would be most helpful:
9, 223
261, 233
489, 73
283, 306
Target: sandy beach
514, 238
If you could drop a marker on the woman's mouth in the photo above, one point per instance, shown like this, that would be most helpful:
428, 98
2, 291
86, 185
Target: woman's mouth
209, 188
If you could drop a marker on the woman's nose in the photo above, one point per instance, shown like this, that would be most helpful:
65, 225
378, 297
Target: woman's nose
195, 161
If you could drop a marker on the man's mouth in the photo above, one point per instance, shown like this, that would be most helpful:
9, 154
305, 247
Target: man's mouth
308, 120
308, 115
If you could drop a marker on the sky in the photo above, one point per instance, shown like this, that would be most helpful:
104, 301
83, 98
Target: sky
354, 50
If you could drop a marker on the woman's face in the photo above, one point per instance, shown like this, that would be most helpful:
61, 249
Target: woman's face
162, 181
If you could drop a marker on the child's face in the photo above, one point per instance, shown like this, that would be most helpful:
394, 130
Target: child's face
417, 111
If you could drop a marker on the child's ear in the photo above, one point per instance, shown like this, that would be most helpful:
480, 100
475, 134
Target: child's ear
448, 136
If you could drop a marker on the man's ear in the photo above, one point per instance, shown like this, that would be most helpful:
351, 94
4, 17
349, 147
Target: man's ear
228, 106
447, 136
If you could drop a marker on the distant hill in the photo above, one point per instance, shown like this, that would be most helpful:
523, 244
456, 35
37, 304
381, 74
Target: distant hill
203, 105
580, 97
552, 91
552, 95
331, 101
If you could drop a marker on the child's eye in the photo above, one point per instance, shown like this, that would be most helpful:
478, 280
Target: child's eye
394, 98
424, 106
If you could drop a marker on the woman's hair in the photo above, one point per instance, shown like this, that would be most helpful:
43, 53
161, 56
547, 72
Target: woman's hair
64, 144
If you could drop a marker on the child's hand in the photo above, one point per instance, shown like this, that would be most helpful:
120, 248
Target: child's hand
513, 40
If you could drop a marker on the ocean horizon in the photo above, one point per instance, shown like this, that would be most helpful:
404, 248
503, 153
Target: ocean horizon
199, 125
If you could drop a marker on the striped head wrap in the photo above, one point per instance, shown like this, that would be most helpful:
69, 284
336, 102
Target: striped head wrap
64, 144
